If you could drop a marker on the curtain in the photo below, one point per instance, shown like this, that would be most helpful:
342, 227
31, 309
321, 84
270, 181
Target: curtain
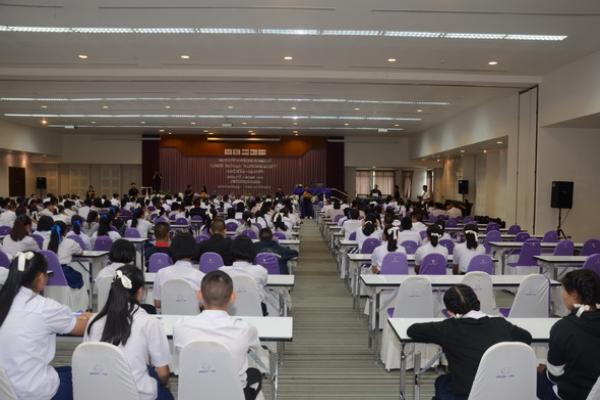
363, 182
385, 181
407, 178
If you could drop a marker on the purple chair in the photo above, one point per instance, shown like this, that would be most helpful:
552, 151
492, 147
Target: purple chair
531, 247
4, 260
196, 218
492, 226
78, 240
231, 226
172, 218
491, 236
210, 261
5, 230
57, 278
564, 248
514, 229
103, 243
269, 261
394, 264
410, 246
483, 263
591, 246
452, 223
125, 213
550, 237
369, 245
433, 264
449, 244
593, 263
132, 233
181, 221
279, 235
468, 219
161, 219
201, 238
522, 236
337, 218
158, 261
250, 233
38, 239
352, 236
423, 234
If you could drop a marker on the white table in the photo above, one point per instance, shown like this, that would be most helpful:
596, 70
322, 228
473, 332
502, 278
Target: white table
139, 247
504, 247
555, 262
96, 259
539, 328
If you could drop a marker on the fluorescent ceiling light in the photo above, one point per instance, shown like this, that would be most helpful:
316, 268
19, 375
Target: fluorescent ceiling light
279, 128
333, 32
487, 36
228, 31
413, 34
536, 37
300, 32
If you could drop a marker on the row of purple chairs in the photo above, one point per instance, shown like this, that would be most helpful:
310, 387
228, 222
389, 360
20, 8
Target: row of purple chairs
211, 261
432, 264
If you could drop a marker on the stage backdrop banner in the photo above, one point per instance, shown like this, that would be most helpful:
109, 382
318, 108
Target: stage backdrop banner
241, 167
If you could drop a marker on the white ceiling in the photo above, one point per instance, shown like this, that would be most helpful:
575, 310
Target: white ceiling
251, 66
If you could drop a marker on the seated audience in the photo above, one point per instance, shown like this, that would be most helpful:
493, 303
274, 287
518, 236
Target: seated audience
19, 239
161, 243
218, 243
122, 252
268, 245
464, 252
434, 234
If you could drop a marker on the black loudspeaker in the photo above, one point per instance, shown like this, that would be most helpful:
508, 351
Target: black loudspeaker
40, 183
463, 187
562, 194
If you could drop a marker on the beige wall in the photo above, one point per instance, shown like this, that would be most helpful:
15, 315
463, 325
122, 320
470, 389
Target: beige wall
101, 149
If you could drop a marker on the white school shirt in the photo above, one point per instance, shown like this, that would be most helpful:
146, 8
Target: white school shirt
83, 212
454, 212
67, 248
381, 251
180, 270
93, 228
429, 249
463, 255
47, 213
418, 226
256, 272
7, 218
108, 271
3, 275
235, 334
351, 225
143, 227
147, 346
115, 202
28, 337
12, 247
114, 236
87, 242
361, 237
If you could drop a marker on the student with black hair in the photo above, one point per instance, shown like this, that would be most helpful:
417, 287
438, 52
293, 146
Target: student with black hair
247, 224
574, 347
214, 324
29, 324
161, 243
183, 248
44, 225
434, 234
19, 239
91, 223
123, 322
77, 230
105, 229
389, 245
217, 243
464, 252
279, 225
267, 244
335, 210
370, 229
352, 224
65, 248
464, 338
139, 222
8, 216
121, 253
407, 233
417, 222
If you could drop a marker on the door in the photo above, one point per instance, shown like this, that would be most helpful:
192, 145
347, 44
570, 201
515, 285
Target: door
16, 182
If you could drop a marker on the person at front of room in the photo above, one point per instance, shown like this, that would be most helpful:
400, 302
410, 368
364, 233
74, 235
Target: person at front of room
375, 192
426, 195
464, 338
214, 324
574, 347
29, 324
133, 191
156, 181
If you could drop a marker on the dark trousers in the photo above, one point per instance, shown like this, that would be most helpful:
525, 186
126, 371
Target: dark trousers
65, 388
163, 392
443, 389
545, 388
254, 377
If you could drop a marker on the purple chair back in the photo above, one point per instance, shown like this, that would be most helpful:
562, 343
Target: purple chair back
269, 261
410, 246
172, 218
522, 236
468, 219
451, 223
132, 233
196, 218
103, 243
433, 264
483, 263
591, 246
531, 247
210, 261
4, 260
352, 236
38, 239
423, 234
77, 240
125, 213
564, 248
250, 233
449, 244
161, 219
369, 245
231, 226
202, 238
491, 236
394, 264
57, 278
550, 237
5, 230
181, 221
593, 263
158, 261
492, 226
338, 217
279, 235
514, 229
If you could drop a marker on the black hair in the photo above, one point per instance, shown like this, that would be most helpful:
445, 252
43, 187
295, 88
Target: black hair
460, 299
471, 236
19, 229
336, 204
434, 233
369, 225
239, 207
137, 214
586, 283
266, 234
230, 213
120, 307
183, 246
216, 288
217, 225
104, 225
392, 243
92, 217
247, 217
406, 224
16, 279
161, 230
58, 231
353, 213
242, 248
278, 223
122, 251
45, 223
76, 222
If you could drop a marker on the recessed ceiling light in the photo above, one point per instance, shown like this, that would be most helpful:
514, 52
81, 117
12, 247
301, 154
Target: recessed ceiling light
292, 108
356, 109
499, 142
484, 151
211, 133
44, 106
396, 125
438, 160
161, 130
294, 131
82, 56
419, 110
93, 122
295, 124
167, 106
288, 58
105, 107
346, 124
192, 123
170, 133
392, 60
295, 134
253, 133
250, 131
462, 151
230, 107
244, 123
184, 57
143, 122
44, 121
205, 131
493, 63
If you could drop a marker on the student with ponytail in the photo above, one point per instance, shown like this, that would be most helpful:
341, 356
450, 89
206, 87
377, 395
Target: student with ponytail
19, 239
139, 222
370, 229
124, 323
44, 225
77, 230
352, 224
29, 324
464, 338
65, 248
464, 252
91, 223
434, 234
407, 232
390, 245
247, 224
279, 225
574, 347
105, 229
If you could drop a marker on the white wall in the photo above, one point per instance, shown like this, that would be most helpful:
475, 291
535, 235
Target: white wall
101, 149
26, 139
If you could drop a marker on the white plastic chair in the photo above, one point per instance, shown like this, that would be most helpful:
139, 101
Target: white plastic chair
595, 392
481, 283
101, 372
207, 371
532, 299
6, 390
506, 371
178, 297
248, 301
103, 288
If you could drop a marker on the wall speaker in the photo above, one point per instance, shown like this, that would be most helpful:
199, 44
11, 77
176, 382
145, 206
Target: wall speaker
40, 183
463, 186
562, 194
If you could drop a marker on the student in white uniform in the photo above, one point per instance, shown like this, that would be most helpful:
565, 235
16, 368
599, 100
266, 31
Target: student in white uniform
407, 232
214, 324
280, 226
29, 324
370, 229
464, 252
19, 239
352, 224
417, 224
76, 230
453, 211
8, 216
91, 223
390, 245
124, 323
247, 224
121, 253
44, 226
434, 234
183, 249
139, 222
104, 229
65, 248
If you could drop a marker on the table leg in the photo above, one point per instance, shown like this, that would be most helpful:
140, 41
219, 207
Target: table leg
417, 370
376, 328
371, 317
402, 371
274, 366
